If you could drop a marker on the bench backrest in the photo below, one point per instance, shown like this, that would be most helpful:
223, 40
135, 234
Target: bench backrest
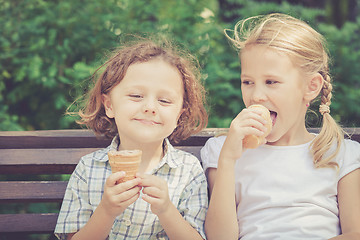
54, 152
51, 153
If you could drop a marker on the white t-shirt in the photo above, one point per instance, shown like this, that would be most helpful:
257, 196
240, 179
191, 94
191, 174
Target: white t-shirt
279, 192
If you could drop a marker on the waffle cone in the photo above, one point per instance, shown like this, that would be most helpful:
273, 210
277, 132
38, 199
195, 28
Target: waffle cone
253, 141
125, 160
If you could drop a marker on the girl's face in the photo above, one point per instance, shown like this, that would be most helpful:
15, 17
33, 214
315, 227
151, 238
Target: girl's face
269, 78
147, 103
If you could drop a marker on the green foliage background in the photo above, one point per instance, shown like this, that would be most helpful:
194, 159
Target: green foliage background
50, 48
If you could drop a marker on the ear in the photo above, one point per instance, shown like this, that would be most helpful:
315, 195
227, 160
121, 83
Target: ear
313, 87
106, 101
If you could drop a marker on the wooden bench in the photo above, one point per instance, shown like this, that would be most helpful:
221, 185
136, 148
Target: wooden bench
49, 155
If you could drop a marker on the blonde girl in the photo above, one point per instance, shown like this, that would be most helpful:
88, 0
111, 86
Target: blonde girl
298, 185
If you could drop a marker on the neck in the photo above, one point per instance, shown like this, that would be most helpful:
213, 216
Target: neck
296, 136
152, 153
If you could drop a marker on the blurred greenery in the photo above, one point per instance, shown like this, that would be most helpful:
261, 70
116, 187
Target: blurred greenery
49, 49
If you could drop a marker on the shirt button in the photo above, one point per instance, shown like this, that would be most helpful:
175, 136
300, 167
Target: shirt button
127, 222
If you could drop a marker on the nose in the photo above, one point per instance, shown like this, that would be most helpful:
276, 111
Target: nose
259, 95
150, 106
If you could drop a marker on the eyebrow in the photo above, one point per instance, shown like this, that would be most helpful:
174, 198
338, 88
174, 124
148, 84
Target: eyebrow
266, 76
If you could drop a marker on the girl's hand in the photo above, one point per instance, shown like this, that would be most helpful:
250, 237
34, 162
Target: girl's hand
247, 122
155, 192
117, 197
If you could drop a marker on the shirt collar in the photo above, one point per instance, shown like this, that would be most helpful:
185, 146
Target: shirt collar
169, 158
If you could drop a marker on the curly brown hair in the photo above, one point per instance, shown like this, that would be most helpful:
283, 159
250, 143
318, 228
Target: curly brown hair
192, 120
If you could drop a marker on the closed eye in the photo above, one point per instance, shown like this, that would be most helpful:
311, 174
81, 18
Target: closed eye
135, 97
165, 101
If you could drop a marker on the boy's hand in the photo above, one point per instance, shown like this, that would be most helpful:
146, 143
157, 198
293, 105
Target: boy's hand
155, 192
117, 197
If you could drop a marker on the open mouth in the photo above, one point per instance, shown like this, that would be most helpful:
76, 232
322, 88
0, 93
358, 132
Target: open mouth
273, 116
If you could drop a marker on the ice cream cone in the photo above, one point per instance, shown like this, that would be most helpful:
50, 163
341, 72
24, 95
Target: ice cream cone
125, 160
252, 141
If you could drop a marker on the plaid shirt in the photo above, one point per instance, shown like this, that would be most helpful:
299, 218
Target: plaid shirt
187, 190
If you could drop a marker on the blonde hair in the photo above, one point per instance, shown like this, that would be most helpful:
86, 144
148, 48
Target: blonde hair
192, 120
306, 48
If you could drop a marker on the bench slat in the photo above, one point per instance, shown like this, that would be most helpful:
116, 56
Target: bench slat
41, 161
39, 191
28, 223
51, 161
78, 139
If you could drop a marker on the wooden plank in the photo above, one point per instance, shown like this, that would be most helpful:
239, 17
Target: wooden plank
44, 139
77, 139
41, 161
80, 138
28, 223
39, 191
51, 161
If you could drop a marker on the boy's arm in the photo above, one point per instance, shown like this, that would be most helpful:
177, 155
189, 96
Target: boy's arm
156, 194
98, 226
175, 226
116, 198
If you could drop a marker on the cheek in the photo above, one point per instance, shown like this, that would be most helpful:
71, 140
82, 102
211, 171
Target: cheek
174, 116
245, 97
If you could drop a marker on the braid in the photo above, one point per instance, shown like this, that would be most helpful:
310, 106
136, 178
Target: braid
326, 95
330, 132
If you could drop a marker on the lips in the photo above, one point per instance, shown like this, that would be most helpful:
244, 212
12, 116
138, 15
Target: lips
147, 121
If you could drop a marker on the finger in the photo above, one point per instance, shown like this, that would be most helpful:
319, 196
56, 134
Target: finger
149, 199
128, 201
125, 186
149, 180
125, 196
253, 123
153, 192
114, 178
253, 113
132, 199
144, 175
119, 198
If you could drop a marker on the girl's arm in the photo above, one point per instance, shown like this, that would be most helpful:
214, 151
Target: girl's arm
349, 206
221, 219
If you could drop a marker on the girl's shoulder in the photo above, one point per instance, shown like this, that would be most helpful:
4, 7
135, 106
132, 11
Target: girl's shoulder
348, 156
215, 142
350, 148
211, 151
213, 146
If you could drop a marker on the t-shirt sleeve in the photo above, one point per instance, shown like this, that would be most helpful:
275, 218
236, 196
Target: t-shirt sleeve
211, 151
75, 210
350, 157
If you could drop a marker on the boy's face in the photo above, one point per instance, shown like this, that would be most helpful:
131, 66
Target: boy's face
147, 103
269, 78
